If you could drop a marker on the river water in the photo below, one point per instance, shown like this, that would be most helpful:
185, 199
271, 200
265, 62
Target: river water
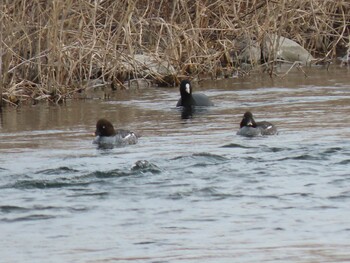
191, 190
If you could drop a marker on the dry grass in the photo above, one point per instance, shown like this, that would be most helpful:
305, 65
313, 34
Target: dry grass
51, 49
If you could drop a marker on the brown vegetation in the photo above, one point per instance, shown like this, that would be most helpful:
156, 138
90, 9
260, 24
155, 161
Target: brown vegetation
51, 49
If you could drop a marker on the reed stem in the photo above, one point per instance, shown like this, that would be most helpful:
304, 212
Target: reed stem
57, 46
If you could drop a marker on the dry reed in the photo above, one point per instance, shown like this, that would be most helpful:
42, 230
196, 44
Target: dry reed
52, 49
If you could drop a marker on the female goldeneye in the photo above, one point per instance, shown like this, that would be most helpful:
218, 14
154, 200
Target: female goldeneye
188, 99
106, 135
250, 128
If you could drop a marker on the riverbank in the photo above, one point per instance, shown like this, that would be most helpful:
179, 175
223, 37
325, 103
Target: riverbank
53, 50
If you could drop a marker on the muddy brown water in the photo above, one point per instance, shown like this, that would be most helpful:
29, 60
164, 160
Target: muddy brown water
191, 190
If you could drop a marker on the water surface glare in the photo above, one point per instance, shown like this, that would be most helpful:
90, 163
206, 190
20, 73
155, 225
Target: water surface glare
191, 190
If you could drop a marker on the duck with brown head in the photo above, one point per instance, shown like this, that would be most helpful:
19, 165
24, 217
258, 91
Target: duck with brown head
106, 135
250, 128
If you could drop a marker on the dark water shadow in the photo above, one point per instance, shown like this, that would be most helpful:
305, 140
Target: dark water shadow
192, 111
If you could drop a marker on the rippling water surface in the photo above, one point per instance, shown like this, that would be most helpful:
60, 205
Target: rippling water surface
191, 190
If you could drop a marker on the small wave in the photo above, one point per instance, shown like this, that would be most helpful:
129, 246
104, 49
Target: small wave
143, 166
42, 184
56, 171
264, 197
344, 162
297, 194
197, 161
275, 149
212, 193
208, 191
341, 196
332, 150
109, 174
236, 145
10, 209
140, 167
36, 212
208, 157
303, 157
28, 218
78, 209
97, 194
323, 207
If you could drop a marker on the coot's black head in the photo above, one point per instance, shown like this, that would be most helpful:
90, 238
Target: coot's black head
248, 120
185, 88
104, 128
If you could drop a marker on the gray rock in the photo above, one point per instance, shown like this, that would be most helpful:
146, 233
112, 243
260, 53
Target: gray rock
285, 49
345, 60
146, 65
248, 51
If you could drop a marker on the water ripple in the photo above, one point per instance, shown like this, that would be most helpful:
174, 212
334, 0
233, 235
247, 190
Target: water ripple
57, 171
43, 184
28, 218
190, 190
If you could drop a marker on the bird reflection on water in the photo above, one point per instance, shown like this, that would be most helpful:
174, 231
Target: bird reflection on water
190, 112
